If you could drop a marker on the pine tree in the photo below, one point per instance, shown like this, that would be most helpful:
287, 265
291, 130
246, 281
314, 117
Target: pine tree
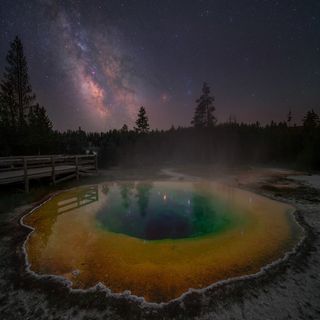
142, 123
39, 120
203, 116
124, 128
311, 120
40, 129
16, 90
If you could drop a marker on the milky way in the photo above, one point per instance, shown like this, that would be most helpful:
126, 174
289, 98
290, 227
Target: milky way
97, 67
93, 63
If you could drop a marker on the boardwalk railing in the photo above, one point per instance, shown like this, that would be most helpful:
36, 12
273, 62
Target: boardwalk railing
82, 198
56, 167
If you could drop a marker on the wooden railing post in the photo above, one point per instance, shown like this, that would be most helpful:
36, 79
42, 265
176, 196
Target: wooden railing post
96, 162
25, 171
77, 167
53, 170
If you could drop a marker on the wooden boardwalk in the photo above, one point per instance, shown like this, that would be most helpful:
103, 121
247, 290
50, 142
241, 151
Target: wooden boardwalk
56, 167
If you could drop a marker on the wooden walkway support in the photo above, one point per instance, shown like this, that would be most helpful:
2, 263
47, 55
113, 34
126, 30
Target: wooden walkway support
57, 167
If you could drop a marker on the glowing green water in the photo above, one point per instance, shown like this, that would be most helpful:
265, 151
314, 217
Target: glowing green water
158, 212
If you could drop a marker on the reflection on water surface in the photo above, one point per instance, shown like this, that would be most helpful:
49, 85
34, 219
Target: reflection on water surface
141, 211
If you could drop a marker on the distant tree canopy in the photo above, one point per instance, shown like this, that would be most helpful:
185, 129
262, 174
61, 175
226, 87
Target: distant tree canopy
142, 122
22, 121
203, 115
229, 143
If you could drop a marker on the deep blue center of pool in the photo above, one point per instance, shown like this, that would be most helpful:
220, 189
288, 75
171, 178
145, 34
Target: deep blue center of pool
152, 212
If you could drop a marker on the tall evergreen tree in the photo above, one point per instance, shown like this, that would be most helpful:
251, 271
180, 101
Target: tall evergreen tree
16, 90
203, 116
24, 125
142, 123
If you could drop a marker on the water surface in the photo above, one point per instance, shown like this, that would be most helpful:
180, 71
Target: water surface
157, 239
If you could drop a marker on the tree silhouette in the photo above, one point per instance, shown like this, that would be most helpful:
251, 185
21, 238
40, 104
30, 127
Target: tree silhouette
16, 91
311, 119
142, 123
203, 116
24, 126
40, 129
124, 128
289, 117
39, 120
4, 113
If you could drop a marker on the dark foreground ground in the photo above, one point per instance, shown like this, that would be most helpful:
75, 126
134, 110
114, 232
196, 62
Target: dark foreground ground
290, 290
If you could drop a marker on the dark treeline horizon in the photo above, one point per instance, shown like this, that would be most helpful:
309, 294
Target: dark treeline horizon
25, 129
227, 144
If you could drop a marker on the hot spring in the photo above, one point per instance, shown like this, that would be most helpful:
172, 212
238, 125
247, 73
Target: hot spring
157, 239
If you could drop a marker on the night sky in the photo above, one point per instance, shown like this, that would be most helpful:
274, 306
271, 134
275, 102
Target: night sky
94, 63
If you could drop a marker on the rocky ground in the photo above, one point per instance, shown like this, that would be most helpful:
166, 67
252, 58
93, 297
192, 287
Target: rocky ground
290, 290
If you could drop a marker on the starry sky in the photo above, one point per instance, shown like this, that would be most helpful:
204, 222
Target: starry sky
94, 63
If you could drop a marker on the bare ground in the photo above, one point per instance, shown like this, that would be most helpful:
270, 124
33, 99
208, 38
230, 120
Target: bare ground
290, 290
